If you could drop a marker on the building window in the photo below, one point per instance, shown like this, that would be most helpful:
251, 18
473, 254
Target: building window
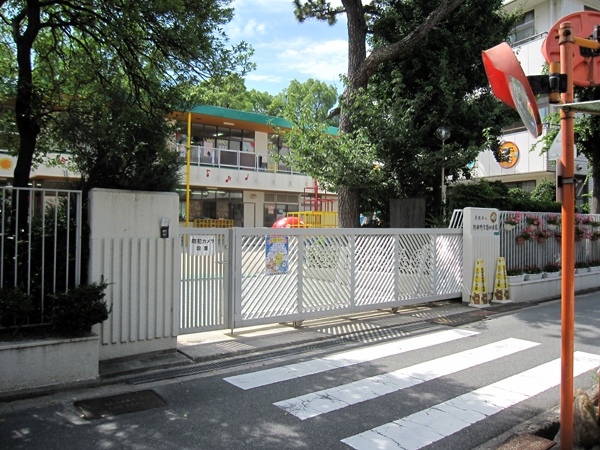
527, 186
278, 205
210, 136
524, 28
213, 204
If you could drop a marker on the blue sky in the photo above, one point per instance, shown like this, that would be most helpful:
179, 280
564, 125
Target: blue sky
285, 49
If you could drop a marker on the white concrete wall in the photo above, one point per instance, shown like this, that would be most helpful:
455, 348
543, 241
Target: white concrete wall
143, 269
530, 56
479, 245
32, 364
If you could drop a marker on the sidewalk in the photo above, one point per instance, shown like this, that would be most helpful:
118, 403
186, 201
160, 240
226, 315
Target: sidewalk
260, 341
208, 351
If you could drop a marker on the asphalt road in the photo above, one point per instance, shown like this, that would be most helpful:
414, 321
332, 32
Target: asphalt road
447, 388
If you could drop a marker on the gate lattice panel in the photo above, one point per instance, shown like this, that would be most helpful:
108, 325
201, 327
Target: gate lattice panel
326, 277
329, 271
204, 279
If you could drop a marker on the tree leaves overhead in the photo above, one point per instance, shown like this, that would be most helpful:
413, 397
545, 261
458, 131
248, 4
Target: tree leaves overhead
53, 49
441, 81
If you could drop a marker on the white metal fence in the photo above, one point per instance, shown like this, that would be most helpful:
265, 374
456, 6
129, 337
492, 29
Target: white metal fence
227, 280
40, 243
533, 252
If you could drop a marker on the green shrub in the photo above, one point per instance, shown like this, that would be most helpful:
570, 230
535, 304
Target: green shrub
495, 194
15, 306
545, 191
76, 310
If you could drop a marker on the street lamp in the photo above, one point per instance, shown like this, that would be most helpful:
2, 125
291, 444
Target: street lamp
443, 133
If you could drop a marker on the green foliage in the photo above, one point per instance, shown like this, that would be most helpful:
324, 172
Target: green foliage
153, 50
431, 86
545, 191
117, 144
514, 272
347, 159
15, 306
76, 310
533, 270
313, 95
230, 92
485, 194
552, 267
518, 193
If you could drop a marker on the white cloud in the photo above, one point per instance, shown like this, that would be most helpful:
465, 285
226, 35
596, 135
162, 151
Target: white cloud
269, 5
246, 30
268, 78
324, 60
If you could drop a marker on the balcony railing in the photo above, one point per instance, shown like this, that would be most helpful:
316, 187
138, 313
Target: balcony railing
234, 159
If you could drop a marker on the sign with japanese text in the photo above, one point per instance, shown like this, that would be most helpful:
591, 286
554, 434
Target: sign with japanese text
201, 244
485, 223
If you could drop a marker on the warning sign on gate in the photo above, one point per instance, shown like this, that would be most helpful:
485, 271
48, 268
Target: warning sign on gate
201, 244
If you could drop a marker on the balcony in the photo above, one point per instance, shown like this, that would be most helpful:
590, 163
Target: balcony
233, 159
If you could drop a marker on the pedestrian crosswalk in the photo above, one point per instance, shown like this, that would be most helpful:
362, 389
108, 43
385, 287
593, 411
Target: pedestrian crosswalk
328, 400
435, 423
432, 423
345, 359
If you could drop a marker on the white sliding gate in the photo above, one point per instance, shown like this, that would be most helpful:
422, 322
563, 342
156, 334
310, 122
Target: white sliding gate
327, 272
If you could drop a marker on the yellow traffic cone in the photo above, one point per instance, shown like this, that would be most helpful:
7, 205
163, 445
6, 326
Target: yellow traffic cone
501, 293
479, 295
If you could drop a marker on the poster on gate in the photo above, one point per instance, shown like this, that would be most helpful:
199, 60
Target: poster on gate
201, 244
277, 255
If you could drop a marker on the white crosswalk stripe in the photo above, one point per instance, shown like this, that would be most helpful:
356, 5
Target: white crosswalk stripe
344, 359
433, 424
327, 400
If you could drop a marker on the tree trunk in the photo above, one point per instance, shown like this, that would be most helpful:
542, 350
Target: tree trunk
349, 207
27, 125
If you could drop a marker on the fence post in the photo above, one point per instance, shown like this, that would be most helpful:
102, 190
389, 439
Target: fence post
481, 241
300, 266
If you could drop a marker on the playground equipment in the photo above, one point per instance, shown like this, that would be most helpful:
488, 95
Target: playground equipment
213, 223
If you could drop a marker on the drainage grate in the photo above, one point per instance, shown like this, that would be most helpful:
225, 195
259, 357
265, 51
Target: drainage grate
380, 334
511, 307
528, 442
115, 405
456, 320
232, 362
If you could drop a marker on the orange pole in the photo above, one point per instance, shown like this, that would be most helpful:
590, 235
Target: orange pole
566, 41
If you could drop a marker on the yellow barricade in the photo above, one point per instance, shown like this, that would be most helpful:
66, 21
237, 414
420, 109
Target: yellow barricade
501, 294
213, 223
312, 219
479, 295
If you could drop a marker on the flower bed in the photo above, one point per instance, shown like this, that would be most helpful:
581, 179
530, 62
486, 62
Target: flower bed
548, 288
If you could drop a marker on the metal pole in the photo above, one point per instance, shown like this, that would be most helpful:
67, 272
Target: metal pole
566, 41
187, 184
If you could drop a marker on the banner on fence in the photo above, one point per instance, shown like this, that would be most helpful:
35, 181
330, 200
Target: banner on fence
479, 295
501, 293
277, 255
